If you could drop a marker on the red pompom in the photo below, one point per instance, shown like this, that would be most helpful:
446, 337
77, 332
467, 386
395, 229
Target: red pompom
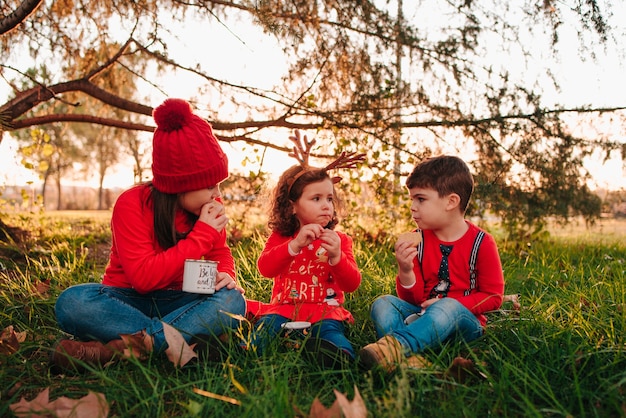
172, 114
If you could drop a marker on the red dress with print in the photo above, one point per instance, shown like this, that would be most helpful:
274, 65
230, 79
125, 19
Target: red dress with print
306, 287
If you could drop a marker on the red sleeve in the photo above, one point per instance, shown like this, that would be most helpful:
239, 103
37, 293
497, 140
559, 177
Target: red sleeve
346, 271
415, 294
138, 261
275, 257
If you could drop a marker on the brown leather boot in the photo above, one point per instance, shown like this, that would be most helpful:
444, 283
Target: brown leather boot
70, 355
385, 353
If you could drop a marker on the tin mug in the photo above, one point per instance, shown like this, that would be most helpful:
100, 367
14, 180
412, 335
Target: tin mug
199, 276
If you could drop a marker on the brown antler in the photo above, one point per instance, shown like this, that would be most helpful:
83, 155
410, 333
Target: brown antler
346, 160
300, 152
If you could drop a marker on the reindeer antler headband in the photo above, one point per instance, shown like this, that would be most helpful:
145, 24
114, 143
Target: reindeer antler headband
302, 150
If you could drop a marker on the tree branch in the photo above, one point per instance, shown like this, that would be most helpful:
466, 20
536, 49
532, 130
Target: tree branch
25, 9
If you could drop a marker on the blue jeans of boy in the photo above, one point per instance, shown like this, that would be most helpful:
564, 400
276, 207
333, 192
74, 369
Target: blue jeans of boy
269, 327
444, 320
94, 311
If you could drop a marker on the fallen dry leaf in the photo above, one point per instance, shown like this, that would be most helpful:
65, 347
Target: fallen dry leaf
25, 408
354, 409
319, 411
342, 407
92, 405
10, 340
137, 345
463, 369
178, 351
41, 288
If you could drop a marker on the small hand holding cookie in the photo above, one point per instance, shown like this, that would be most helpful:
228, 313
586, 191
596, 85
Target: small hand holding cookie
406, 250
332, 244
306, 235
413, 238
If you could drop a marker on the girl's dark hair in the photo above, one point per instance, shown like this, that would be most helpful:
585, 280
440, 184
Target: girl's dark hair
164, 206
281, 217
445, 174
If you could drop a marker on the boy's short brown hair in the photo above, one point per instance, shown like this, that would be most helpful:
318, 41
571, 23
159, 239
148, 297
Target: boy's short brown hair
445, 174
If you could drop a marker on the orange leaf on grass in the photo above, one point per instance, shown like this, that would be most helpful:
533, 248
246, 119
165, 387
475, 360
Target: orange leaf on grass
92, 405
137, 345
178, 351
41, 288
462, 369
10, 340
319, 411
25, 408
342, 407
354, 409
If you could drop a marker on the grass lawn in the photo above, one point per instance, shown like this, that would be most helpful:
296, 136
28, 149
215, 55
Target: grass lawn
562, 354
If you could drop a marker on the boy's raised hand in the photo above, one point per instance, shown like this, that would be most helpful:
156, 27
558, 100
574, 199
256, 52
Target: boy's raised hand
405, 253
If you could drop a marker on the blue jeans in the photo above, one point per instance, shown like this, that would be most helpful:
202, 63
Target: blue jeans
93, 311
268, 327
444, 320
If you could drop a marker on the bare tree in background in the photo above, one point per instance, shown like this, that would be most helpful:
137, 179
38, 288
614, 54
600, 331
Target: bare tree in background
343, 82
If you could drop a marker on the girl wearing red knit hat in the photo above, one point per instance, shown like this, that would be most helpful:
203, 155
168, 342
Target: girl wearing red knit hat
156, 227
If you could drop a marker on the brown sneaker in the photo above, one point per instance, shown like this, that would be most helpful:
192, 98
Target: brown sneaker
416, 362
386, 353
70, 355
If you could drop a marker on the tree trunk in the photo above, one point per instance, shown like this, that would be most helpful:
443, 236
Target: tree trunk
11, 234
59, 198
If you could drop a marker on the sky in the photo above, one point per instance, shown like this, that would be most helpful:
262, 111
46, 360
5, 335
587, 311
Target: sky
248, 57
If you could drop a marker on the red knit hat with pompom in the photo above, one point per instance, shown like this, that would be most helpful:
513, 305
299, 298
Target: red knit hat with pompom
185, 154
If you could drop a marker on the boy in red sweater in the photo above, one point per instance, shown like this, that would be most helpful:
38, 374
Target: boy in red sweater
447, 282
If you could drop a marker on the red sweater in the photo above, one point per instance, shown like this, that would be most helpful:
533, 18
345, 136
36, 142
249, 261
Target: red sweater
306, 287
485, 294
137, 261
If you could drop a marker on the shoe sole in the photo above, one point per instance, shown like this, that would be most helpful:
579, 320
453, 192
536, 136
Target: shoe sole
368, 360
327, 354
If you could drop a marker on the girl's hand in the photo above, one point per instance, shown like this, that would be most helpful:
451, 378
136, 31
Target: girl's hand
405, 254
213, 214
306, 235
225, 280
332, 244
429, 302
